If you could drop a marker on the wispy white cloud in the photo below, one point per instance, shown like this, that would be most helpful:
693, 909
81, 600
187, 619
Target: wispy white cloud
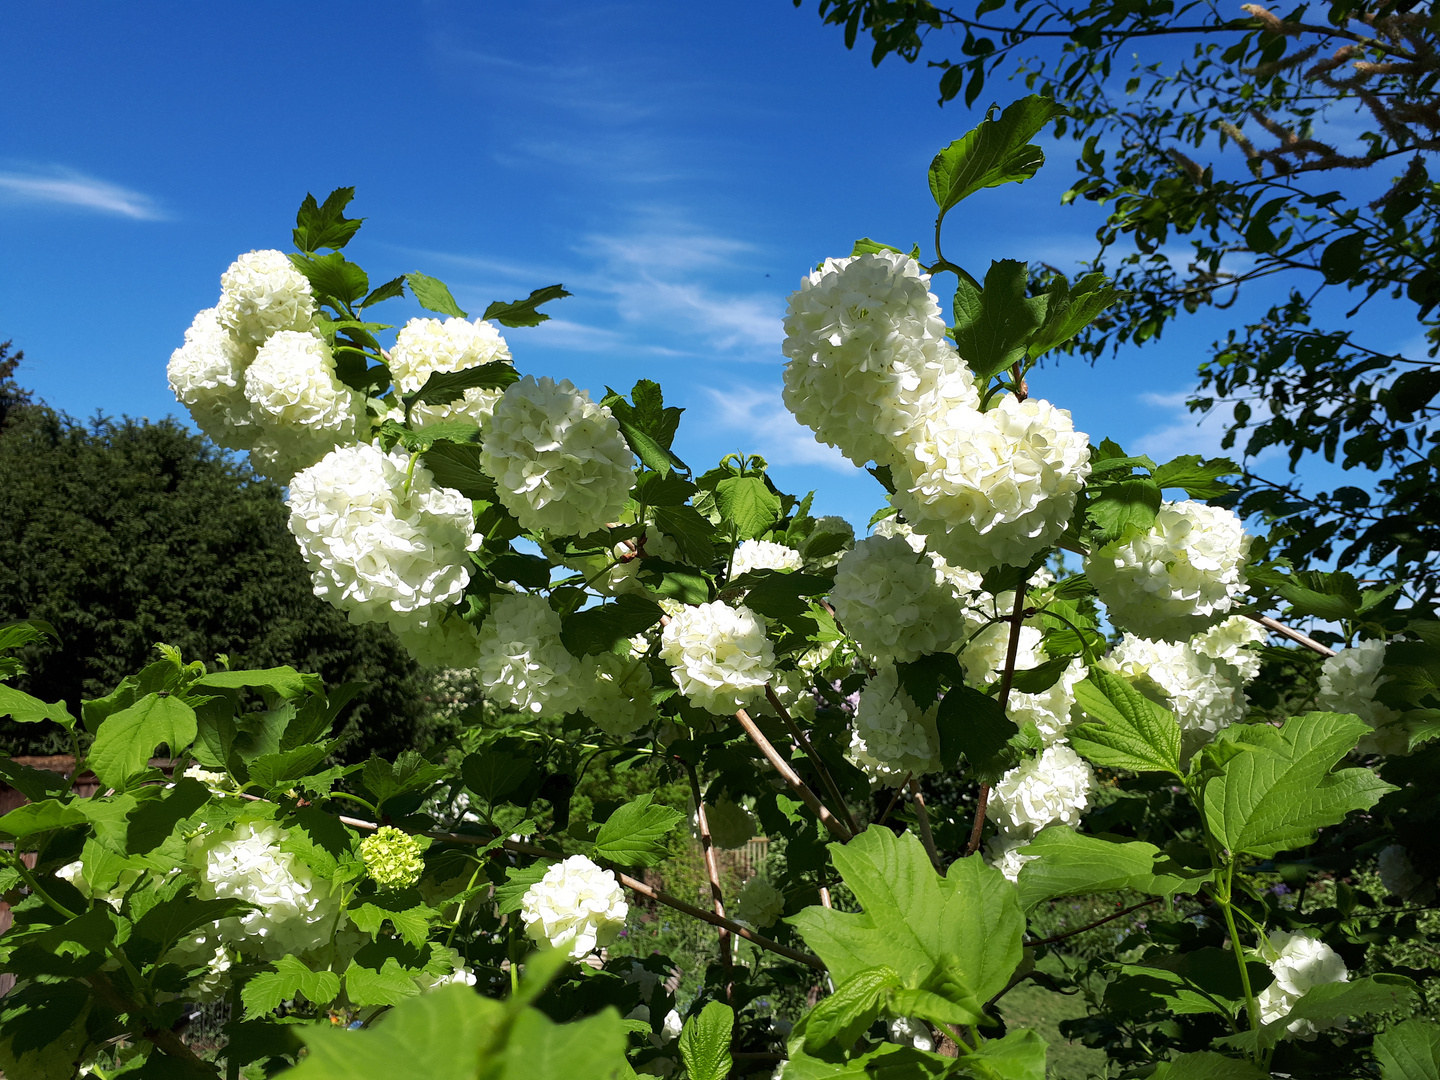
1189, 433
761, 424
66, 187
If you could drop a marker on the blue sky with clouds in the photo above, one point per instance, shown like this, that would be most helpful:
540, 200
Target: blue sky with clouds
677, 166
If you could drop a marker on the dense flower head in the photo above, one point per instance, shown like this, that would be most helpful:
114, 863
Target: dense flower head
1231, 642
893, 737
576, 906
731, 825
207, 376
1348, 681
293, 909
1205, 694
614, 692
262, 294
426, 346
719, 655
1181, 577
759, 903
437, 637
868, 354
763, 555
523, 662
1052, 788
1299, 963
893, 602
392, 858
993, 488
1049, 710
557, 458
962, 582
376, 547
1007, 854
300, 409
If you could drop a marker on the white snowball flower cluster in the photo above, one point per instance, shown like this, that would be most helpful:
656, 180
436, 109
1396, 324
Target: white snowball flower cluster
523, 662
731, 825
301, 409
1231, 642
759, 903
1400, 878
575, 906
376, 549
893, 602
1040, 791
911, 1031
207, 376
962, 582
426, 346
1298, 963
993, 488
438, 639
614, 691
983, 659
868, 355
763, 555
558, 459
720, 655
1348, 681
1049, 710
1007, 854
1183, 576
262, 294
294, 910
892, 737
1205, 694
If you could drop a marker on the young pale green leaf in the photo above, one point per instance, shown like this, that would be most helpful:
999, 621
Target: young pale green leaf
705, 1042
266, 991
597, 629
993, 325
972, 723
540, 1049
1275, 799
1208, 1065
525, 312
1070, 864
995, 152
410, 920
20, 632
1409, 1051
1132, 731
285, 681
846, 1014
389, 984
25, 709
1125, 505
866, 246
457, 466
1020, 1055
434, 295
325, 225
748, 505
968, 923
283, 768
634, 834
1198, 477
128, 738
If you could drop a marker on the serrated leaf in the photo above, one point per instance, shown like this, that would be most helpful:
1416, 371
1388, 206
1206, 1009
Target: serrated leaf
518, 879
1020, 1055
267, 990
1068, 311
1069, 864
492, 774
25, 709
996, 151
690, 529
597, 629
457, 466
634, 834
127, 739
434, 295
283, 768
170, 920
973, 724
1207, 1065
390, 985
411, 921
1132, 731
285, 681
663, 489
152, 822
748, 505
674, 581
1328, 1002
1275, 799
993, 325
1130, 504
1409, 1051
780, 594
524, 312
443, 387
847, 1013
1198, 477
883, 1063
705, 1042
325, 225
389, 291
1038, 679
333, 276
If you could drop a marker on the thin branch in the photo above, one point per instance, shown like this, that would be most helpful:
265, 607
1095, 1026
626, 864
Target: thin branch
1007, 678
712, 869
1293, 634
804, 742
789, 775
923, 817
1097, 922
894, 799
163, 1038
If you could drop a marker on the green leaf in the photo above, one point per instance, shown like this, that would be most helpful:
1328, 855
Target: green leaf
391, 289
747, 504
1208, 1065
1341, 258
170, 920
434, 295
25, 709
967, 923
1073, 865
663, 489
457, 466
518, 879
705, 1042
652, 415
634, 834
282, 769
267, 990
34, 784
251, 1040
325, 226
411, 921
152, 822
648, 430
866, 246
409, 772
1132, 731
389, 985
1068, 311
887, 1062
443, 387
597, 629
690, 529
1334, 596
972, 723
1203, 981
523, 312
1038, 679
993, 325
1409, 1051
1020, 1055
675, 581
1275, 799
1198, 477
995, 152
1327, 1003
1125, 505
540, 1049
333, 276
529, 571
847, 1013
285, 681
780, 594
492, 774
127, 739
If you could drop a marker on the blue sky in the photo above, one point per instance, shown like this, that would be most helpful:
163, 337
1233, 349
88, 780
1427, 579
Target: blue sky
677, 166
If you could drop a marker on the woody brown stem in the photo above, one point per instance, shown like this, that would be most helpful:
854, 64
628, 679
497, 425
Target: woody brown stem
1293, 634
789, 775
712, 869
803, 741
1007, 679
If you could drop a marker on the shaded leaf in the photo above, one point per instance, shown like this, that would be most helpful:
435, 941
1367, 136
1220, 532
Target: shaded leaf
705, 1042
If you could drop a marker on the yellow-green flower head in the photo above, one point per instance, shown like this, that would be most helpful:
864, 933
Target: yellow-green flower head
392, 858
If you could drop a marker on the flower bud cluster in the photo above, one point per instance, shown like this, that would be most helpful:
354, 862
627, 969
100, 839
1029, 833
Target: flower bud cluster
760, 903
392, 858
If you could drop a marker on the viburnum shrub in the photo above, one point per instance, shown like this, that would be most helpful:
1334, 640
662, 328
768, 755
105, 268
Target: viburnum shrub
944, 728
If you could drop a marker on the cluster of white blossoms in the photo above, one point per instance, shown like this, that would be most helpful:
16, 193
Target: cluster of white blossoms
720, 656
731, 825
893, 602
1204, 693
1348, 681
892, 737
992, 488
962, 582
1006, 853
763, 555
576, 906
1053, 788
983, 659
557, 458
262, 294
1233, 641
294, 910
384, 542
868, 355
1183, 576
1400, 878
1299, 963
614, 691
300, 409
523, 663
207, 376
759, 903
424, 347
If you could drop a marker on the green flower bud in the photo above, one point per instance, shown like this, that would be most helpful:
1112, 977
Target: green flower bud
392, 858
